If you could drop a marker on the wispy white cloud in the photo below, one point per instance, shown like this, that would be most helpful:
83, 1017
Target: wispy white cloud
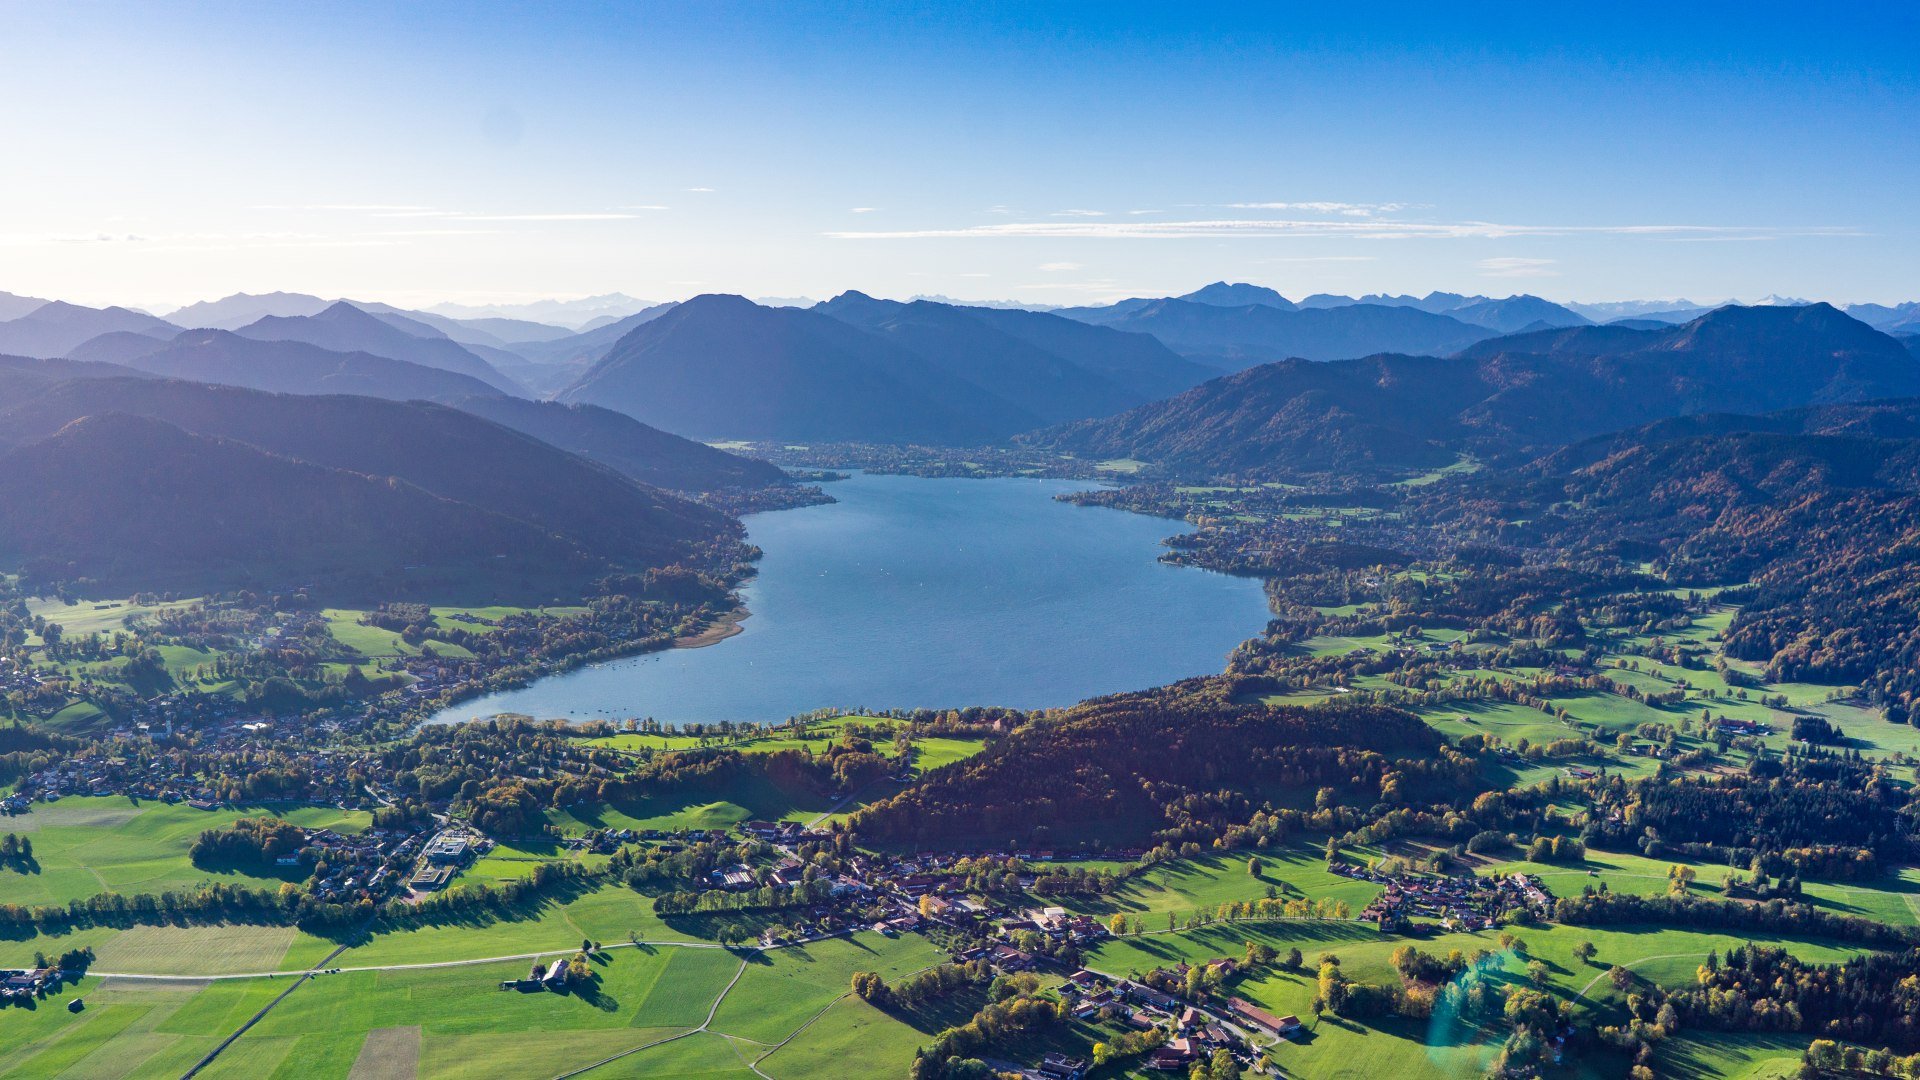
1137, 213
96, 238
1320, 259
1516, 267
1079, 213
546, 217
238, 241
702, 190
438, 232
863, 209
401, 210
646, 206
1345, 208
1058, 267
1283, 227
461, 215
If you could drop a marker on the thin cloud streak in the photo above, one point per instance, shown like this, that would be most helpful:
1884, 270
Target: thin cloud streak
1517, 267
1362, 230
351, 208
1346, 208
458, 215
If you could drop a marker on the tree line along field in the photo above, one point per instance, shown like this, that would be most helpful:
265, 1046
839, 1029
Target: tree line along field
85, 846
351, 642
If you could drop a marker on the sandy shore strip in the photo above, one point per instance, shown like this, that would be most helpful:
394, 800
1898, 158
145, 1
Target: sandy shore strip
719, 630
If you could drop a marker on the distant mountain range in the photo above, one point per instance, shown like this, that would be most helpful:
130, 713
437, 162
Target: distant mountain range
1043, 385
578, 314
289, 367
496, 341
54, 328
1050, 367
13, 307
342, 327
722, 366
921, 370
1505, 396
1234, 338
235, 311
859, 369
1504, 316
576, 353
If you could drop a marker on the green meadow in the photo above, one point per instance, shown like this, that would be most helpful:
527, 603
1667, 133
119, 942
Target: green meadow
1339, 1047
84, 846
650, 1006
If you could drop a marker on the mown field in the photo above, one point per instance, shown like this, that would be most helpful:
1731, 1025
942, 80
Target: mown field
650, 1004
85, 846
789, 1012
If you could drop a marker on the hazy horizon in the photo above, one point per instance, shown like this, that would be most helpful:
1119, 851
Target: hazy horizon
619, 301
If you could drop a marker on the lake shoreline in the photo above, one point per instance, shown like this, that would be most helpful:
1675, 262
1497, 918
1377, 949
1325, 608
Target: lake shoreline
719, 630
911, 592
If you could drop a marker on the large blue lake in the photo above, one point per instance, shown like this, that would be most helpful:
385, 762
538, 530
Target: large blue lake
910, 592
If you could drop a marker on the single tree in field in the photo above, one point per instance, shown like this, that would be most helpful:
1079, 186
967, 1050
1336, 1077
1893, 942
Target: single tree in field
1584, 951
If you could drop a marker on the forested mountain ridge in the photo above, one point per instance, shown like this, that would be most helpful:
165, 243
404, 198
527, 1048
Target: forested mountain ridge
1048, 386
434, 447
1823, 527
342, 327
292, 367
1509, 397
725, 367
617, 440
118, 503
1240, 337
1131, 769
1139, 362
595, 516
288, 367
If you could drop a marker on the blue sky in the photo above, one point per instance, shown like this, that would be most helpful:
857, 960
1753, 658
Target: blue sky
1055, 153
